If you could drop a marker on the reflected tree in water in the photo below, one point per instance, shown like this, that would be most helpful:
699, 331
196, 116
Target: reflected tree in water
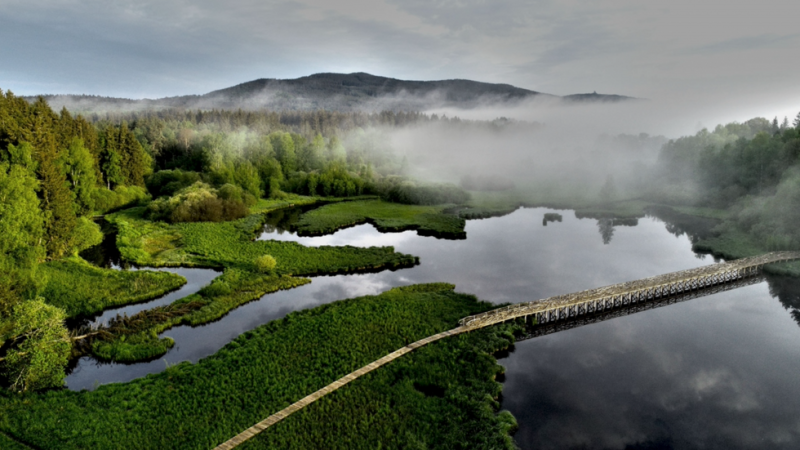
284, 219
606, 228
679, 224
787, 291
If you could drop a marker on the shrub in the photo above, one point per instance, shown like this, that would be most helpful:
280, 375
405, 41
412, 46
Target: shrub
233, 192
86, 234
105, 200
201, 203
265, 263
168, 182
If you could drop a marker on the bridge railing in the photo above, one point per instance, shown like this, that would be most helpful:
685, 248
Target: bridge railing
733, 269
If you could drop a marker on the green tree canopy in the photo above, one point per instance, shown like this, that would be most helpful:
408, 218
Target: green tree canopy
80, 172
39, 360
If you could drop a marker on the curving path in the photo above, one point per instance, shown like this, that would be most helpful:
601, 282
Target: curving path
554, 309
305, 401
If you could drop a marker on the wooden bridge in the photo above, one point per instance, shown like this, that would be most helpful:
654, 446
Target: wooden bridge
533, 330
565, 312
599, 299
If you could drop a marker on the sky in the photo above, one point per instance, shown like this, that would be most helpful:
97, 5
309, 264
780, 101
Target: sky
737, 58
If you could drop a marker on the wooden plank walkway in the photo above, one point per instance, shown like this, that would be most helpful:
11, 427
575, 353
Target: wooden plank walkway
305, 401
549, 310
598, 299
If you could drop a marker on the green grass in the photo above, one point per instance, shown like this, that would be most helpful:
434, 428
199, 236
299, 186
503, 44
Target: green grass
6, 443
711, 213
623, 209
83, 289
227, 292
734, 244
385, 216
230, 245
491, 204
265, 205
442, 396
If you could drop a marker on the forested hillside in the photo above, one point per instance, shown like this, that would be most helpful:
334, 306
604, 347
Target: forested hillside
333, 92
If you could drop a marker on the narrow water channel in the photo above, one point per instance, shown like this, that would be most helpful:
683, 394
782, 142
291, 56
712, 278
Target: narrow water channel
713, 372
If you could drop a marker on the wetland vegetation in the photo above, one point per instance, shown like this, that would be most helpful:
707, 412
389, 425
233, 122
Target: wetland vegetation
191, 189
83, 289
385, 216
265, 370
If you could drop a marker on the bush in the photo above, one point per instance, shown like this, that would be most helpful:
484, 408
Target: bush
86, 234
265, 263
168, 182
201, 203
233, 192
122, 196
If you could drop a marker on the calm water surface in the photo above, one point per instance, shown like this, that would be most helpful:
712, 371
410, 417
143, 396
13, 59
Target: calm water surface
715, 372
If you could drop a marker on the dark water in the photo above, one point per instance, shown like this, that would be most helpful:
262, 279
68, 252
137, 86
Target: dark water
720, 371
196, 279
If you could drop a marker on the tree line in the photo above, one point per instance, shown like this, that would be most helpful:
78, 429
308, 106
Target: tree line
751, 169
57, 171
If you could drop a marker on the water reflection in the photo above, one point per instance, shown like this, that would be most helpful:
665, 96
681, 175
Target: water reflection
680, 224
606, 228
196, 279
715, 372
787, 290
105, 254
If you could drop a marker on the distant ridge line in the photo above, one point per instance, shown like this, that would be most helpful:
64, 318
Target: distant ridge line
358, 91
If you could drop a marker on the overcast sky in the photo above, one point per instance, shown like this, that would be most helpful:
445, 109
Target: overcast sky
740, 56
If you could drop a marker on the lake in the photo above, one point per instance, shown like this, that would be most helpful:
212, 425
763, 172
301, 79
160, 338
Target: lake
718, 371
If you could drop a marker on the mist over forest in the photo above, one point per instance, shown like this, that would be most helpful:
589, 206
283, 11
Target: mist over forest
170, 168
399, 224
354, 92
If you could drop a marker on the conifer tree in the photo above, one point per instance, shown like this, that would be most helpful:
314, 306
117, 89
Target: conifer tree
56, 198
133, 161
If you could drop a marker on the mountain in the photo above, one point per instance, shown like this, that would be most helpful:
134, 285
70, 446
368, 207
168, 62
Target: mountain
333, 91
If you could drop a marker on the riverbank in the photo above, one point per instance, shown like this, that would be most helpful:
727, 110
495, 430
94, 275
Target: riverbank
709, 229
82, 289
443, 396
228, 246
385, 217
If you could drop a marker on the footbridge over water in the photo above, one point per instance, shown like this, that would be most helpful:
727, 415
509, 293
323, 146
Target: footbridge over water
533, 330
564, 312
596, 300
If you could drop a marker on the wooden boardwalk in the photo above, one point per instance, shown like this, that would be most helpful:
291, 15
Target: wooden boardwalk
599, 299
543, 329
305, 401
632, 296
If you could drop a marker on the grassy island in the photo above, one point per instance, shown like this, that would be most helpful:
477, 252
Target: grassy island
228, 246
385, 216
83, 289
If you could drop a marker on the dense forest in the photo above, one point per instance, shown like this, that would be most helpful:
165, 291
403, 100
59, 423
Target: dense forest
59, 171
750, 169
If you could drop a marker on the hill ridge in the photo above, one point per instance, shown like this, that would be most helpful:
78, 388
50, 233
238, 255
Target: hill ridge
357, 91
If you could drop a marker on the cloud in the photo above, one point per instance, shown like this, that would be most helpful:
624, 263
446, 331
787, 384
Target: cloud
172, 47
